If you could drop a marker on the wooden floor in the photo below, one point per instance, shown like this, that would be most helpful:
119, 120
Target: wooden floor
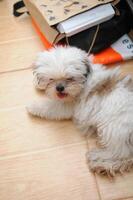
39, 159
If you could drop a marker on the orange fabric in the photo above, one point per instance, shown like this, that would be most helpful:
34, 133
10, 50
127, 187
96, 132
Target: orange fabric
107, 56
46, 43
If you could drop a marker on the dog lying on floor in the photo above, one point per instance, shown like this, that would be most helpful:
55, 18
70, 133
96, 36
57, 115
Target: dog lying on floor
97, 99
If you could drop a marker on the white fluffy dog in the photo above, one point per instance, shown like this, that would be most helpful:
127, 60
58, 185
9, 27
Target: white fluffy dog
98, 100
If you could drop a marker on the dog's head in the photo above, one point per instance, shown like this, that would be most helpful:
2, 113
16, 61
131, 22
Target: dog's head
62, 72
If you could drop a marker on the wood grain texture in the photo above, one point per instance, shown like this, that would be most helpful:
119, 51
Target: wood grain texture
21, 133
128, 199
16, 89
12, 28
6, 7
127, 67
20, 54
59, 174
120, 188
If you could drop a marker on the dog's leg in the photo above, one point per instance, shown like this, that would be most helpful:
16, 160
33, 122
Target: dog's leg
109, 166
51, 110
116, 155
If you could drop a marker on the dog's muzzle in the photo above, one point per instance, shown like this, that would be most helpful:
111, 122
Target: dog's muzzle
60, 88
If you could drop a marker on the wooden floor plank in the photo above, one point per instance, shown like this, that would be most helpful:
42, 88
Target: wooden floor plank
120, 188
127, 67
6, 7
16, 89
59, 174
19, 54
22, 133
12, 28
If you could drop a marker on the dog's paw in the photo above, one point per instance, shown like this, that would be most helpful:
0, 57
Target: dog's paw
34, 110
102, 164
31, 109
98, 165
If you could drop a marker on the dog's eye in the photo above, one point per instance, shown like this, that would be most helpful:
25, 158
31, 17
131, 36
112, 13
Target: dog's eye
51, 79
70, 79
85, 75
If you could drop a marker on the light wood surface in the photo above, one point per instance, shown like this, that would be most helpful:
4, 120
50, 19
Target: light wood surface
17, 57
15, 29
41, 159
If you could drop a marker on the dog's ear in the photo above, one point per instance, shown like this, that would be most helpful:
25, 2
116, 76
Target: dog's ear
88, 67
40, 81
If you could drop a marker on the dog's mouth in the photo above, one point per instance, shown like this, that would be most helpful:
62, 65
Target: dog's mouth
62, 95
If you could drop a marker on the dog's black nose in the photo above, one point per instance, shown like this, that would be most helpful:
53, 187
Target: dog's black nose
60, 88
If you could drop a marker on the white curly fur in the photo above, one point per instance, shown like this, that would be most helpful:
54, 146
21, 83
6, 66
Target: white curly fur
100, 103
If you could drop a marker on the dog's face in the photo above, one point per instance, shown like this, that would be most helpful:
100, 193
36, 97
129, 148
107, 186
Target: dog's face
62, 72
